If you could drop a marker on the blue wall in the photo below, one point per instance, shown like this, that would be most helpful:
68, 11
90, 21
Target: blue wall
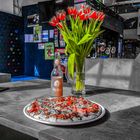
35, 63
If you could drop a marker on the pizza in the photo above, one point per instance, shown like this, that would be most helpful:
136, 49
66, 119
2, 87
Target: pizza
63, 109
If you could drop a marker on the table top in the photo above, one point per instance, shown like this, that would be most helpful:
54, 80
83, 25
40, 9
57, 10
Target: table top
121, 121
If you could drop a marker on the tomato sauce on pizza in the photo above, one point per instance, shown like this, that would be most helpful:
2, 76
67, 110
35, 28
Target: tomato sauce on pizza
64, 109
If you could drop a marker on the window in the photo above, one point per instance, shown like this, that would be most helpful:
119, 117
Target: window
126, 9
131, 23
123, 0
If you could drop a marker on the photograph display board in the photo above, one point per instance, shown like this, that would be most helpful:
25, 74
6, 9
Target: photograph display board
56, 37
32, 20
41, 46
45, 36
49, 51
37, 31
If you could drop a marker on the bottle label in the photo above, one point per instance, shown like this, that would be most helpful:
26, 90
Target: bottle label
57, 86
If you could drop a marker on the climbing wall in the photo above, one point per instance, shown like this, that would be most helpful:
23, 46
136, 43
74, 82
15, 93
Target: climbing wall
11, 44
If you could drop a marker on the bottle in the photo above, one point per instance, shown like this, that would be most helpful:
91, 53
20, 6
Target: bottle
57, 77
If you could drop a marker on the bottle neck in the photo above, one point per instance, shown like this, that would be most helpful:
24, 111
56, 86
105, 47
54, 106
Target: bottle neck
57, 64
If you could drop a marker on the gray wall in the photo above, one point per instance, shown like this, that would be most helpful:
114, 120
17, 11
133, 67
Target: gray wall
109, 2
6, 6
114, 73
29, 2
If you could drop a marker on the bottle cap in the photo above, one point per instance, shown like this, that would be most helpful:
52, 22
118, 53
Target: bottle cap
57, 62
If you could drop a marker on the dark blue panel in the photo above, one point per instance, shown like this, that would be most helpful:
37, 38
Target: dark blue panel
35, 63
11, 44
43, 66
30, 52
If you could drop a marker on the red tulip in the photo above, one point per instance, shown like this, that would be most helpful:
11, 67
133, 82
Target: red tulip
52, 23
61, 15
69, 10
82, 16
101, 16
93, 15
79, 12
87, 17
60, 25
87, 10
74, 16
72, 11
82, 6
55, 19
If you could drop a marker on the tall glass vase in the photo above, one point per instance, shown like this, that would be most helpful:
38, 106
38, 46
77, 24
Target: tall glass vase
78, 82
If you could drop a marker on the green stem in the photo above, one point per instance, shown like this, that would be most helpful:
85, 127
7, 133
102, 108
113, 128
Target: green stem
79, 85
79, 82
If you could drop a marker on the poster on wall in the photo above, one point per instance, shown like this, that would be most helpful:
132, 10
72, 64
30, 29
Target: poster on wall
49, 51
51, 33
32, 20
61, 41
45, 36
28, 38
40, 46
60, 50
37, 31
56, 37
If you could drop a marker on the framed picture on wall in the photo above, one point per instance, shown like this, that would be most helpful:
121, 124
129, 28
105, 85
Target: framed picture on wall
61, 41
41, 46
56, 34
37, 31
28, 38
51, 33
60, 50
32, 20
49, 51
45, 36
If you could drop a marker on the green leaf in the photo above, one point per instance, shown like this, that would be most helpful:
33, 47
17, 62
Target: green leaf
98, 33
95, 25
74, 46
71, 61
71, 40
65, 36
85, 39
98, 27
68, 50
90, 43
